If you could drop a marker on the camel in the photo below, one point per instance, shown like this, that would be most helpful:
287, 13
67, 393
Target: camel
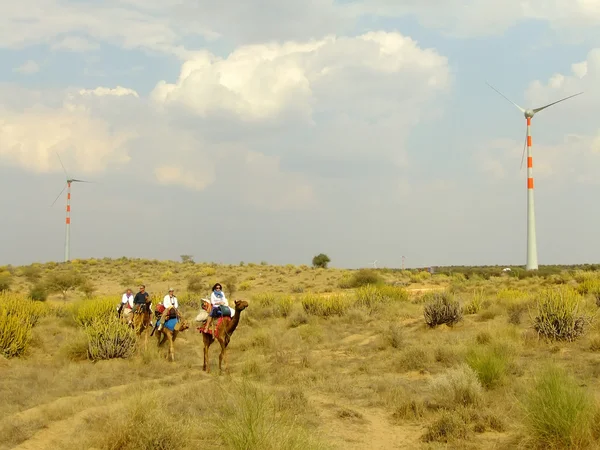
142, 320
223, 331
167, 335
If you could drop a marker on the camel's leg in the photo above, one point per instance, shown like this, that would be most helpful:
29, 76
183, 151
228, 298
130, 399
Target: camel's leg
207, 342
222, 357
171, 347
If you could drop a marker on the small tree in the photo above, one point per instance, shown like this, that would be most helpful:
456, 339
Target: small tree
187, 259
64, 281
321, 260
88, 288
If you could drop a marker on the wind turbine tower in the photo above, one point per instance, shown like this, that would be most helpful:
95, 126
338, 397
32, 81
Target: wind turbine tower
68, 215
532, 257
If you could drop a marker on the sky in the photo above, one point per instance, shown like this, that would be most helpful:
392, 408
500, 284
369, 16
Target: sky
274, 131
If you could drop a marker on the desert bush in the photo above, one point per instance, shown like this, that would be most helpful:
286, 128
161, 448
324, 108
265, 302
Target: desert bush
86, 311
336, 304
88, 288
108, 339
558, 412
394, 335
258, 422
558, 316
371, 295
442, 309
420, 276
18, 315
490, 363
515, 312
209, 271
360, 278
38, 292
195, 284
459, 386
447, 427
245, 286
474, 306
5, 281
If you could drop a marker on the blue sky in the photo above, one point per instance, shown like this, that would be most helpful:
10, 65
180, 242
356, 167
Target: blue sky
232, 134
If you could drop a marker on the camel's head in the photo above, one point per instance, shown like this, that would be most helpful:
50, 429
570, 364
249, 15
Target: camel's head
182, 325
241, 305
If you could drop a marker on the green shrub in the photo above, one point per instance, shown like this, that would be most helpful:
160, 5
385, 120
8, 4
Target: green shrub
371, 295
326, 306
108, 338
490, 364
459, 386
360, 278
86, 311
18, 315
558, 412
38, 292
558, 317
195, 284
5, 281
474, 306
443, 309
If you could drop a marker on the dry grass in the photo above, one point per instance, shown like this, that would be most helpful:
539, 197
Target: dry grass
322, 358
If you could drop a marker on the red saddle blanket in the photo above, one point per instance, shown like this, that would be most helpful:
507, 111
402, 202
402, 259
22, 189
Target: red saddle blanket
216, 326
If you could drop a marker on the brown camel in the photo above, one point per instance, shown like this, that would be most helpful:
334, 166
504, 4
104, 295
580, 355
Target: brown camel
142, 320
165, 335
222, 333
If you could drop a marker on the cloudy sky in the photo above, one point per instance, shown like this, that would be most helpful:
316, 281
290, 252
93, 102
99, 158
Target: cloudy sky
276, 130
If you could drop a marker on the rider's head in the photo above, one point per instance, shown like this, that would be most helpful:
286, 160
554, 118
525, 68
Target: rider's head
142, 287
217, 286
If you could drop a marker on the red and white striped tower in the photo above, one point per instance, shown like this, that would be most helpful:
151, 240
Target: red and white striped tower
68, 223
532, 257
532, 260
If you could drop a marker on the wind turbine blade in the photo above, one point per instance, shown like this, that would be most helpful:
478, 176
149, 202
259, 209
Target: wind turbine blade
524, 145
558, 101
75, 180
58, 196
63, 166
520, 109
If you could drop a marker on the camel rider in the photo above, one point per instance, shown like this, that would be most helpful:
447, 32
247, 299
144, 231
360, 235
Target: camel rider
169, 302
217, 298
140, 298
127, 305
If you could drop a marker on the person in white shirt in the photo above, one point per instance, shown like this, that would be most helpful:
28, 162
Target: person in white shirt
169, 302
126, 308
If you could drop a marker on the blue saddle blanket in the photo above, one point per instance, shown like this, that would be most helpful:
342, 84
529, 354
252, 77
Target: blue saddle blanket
169, 323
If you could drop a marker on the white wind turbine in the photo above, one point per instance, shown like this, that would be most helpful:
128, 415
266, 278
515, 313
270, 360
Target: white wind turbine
532, 259
374, 264
67, 186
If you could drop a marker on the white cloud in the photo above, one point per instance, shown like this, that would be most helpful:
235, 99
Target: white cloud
262, 81
32, 138
467, 18
75, 44
101, 91
28, 67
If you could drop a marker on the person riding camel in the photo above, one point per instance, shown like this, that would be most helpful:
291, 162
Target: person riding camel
169, 302
140, 298
217, 299
127, 306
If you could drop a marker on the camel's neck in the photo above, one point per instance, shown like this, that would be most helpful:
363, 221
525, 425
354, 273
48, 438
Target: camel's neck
234, 322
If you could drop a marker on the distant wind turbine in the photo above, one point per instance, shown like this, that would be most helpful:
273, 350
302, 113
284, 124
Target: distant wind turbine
532, 259
68, 215
374, 264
